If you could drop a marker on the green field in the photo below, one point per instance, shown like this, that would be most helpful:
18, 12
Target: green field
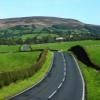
24, 37
11, 48
17, 61
39, 36
66, 45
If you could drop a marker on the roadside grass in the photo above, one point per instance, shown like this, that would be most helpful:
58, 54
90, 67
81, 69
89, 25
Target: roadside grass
19, 86
17, 61
92, 79
91, 76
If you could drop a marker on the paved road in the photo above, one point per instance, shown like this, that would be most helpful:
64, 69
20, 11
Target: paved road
71, 88
49, 85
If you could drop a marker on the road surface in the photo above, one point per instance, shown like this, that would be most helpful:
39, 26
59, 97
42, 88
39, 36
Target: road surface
55, 86
72, 88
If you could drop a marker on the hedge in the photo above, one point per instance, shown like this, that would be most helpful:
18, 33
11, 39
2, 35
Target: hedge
12, 76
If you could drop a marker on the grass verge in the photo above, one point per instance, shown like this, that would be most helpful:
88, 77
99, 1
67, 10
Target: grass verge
92, 79
19, 86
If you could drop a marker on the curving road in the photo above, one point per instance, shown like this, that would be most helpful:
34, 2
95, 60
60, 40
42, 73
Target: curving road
72, 88
49, 85
64, 82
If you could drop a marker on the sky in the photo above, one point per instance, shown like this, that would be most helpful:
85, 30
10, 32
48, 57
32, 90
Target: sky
87, 11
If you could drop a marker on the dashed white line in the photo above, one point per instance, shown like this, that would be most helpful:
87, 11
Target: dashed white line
52, 94
60, 85
63, 79
34, 84
64, 68
64, 73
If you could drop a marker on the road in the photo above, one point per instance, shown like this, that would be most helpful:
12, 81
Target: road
49, 85
55, 86
72, 88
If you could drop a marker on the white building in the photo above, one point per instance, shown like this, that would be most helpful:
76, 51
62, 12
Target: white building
59, 39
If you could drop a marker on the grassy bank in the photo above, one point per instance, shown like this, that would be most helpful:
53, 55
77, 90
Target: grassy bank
94, 53
92, 78
19, 86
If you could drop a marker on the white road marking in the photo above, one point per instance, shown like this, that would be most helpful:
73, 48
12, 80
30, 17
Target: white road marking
64, 73
83, 94
52, 94
60, 85
64, 68
63, 79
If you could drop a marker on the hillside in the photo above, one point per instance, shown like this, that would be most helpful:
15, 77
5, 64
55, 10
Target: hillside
39, 22
41, 28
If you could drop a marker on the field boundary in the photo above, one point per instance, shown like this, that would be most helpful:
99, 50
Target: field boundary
39, 82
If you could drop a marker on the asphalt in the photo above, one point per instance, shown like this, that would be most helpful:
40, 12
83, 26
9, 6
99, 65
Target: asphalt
48, 85
71, 88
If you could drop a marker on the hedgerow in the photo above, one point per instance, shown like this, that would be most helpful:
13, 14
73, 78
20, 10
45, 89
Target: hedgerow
12, 76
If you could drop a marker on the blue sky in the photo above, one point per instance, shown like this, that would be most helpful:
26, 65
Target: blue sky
87, 11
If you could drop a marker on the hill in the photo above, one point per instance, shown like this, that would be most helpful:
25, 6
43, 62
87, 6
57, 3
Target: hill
41, 28
39, 22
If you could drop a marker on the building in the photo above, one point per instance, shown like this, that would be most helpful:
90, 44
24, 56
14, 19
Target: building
60, 39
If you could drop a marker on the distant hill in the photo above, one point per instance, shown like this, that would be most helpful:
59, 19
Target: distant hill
28, 27
39, 22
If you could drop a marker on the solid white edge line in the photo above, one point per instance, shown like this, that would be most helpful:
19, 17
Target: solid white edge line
83, 94
36, 83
